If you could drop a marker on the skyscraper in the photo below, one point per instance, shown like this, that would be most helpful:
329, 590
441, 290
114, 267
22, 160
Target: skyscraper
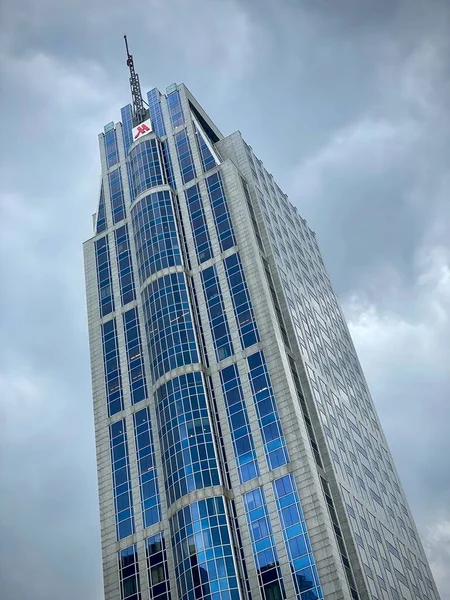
239, 452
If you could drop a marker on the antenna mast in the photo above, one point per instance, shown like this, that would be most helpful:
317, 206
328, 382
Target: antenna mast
139, 109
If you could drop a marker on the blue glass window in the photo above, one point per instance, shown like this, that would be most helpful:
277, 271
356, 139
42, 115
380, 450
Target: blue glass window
126, 277
123, 500
156, 115
187, 442
155, 234
203, 552
266, 409
170, 178
217, 315
148, 477
175, 109
170, 331
130, 588
116, 194
157, 569
220, 211
198, 224
146, 169
296, 539
208, 160
242, 305
244, 448
127, 126
111, 150
263, 545
105, 291
111, 363
130, 181
184, 154
101, 215
136, 374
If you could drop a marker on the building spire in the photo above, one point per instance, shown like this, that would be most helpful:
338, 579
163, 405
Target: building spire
139, 110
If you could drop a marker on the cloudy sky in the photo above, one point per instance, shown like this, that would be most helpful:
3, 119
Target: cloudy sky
347, 103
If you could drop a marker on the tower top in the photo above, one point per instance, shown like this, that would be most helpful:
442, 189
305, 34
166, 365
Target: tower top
139, 110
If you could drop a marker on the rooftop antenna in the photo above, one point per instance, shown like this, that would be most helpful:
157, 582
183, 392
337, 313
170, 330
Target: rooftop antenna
139, 110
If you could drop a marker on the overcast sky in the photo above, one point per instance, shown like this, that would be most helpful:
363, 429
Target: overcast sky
347, 102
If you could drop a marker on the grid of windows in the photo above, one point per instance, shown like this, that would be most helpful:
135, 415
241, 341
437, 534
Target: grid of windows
148, 477
168, 169
242, 305
111, 150
126, 277
175, 109
269, 422
204, 564
198, 223
146, 169
155, 234
156, 115
136, 375
184, 154
105, 291
263, 545
217, 315
123, 500
111, 364
296, 539
101, 215
244, 448
130, 588
187, 443
208, 160
220, 211
127, 126
157, 570
116, 194
170, 330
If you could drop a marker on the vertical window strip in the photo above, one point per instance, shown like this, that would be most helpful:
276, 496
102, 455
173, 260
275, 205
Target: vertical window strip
130, 181
146, 171
156, 115
170, 178
187, 441
198, 223
155, 234
185, 159
101, 215
116, 195
127, 126
243, 310
263, 545
111, 149
130, 587
104, 279
136, 374
123, 500
175, 109
269, 422
170, 330
148, 476
220, 211
208, 160
111, 363
124, 266
203, 552
298, 547
217, 315
243, 445
157, 568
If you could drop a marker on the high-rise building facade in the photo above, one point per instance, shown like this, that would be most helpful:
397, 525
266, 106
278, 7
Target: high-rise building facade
239, 452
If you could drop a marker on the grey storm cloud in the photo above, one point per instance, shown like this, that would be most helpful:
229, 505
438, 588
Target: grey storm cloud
347, 104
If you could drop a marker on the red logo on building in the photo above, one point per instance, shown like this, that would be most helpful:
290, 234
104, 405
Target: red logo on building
141, 129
